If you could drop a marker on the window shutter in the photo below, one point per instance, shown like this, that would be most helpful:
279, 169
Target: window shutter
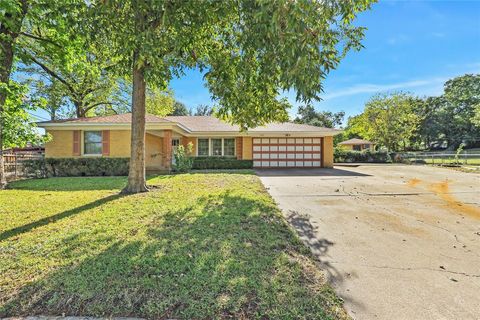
76, 143
106, 143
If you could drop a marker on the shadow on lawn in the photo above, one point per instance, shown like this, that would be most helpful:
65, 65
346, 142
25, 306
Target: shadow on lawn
52, 219
224, 256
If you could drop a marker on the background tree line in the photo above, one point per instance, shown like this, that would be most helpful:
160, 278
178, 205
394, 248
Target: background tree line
400, 121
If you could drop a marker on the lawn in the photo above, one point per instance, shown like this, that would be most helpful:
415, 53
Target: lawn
197, 246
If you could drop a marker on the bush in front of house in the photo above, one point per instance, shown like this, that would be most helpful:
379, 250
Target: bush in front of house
183, 160
366, 156
74, 167
200, 163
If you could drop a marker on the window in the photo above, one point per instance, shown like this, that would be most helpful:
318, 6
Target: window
357, 147
203, 147
229, 147
216, 147
92, 142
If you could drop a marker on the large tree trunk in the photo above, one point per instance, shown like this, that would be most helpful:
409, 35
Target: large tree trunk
136, 174
8, 35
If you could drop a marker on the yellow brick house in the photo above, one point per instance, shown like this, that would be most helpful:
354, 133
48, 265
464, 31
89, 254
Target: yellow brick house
276, 145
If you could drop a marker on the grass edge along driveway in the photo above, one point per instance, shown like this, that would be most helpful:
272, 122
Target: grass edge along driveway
197, 246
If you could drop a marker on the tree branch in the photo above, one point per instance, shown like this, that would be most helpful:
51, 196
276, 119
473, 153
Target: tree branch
99, 104
32, 36
52, 73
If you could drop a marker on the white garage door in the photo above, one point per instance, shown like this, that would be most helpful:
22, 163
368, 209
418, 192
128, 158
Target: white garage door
287, 152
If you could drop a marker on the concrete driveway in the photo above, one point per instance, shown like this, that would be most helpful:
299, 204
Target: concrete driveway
396, 242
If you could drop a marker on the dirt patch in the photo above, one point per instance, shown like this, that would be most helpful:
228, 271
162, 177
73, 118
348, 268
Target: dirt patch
413, 182
442, 190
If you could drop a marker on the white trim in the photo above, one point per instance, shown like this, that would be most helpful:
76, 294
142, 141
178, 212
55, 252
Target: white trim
210, 147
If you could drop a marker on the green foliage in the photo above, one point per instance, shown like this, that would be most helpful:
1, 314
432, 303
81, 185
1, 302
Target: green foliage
179, 109
75, 167
341, 155
18, 126
183, 158
476, 116
64, 64
203, 110
451, 118
159, 102
388, 120
252, 51
458, 152
221, 163
327, 119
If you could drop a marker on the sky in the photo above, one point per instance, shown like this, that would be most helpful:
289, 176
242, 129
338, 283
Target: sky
413, 46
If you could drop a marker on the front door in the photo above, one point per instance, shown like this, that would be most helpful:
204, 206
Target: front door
175, 144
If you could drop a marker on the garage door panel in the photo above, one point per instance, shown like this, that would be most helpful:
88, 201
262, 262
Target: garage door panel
287, 152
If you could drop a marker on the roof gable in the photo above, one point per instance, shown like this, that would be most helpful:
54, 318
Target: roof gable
192, 124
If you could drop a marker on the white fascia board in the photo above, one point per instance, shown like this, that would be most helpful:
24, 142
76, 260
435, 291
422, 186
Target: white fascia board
111, 126
263, 134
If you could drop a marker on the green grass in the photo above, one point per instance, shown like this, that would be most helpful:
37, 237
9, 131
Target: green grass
196, 246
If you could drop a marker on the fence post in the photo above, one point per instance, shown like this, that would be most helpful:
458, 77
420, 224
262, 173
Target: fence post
15, 165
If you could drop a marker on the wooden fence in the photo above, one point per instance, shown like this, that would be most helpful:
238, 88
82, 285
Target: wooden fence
13, 163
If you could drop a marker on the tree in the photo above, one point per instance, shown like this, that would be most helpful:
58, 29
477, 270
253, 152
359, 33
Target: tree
476, 117
388, 120
463, 96
203, 110
18, 126
179, 109
51, 98
12, 14
327, 119
252, 50
160, 102
16, 18
77, 70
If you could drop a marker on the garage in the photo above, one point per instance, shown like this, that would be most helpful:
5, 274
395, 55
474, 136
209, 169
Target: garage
287, 152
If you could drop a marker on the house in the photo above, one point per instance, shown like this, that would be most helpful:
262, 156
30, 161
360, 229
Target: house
357, 144
274, 145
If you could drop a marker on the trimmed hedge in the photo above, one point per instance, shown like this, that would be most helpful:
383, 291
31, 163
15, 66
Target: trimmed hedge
75, 167
221, 163
367, 156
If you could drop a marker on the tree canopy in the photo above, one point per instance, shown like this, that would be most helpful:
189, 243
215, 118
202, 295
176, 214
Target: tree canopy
308, 115
250, 52
388, 119
18, 125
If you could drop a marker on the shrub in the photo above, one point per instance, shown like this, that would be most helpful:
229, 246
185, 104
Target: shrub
72, 167
367, 156
221, 163
183, 159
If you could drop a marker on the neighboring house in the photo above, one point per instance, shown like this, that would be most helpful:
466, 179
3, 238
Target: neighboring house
357, 144
273, 145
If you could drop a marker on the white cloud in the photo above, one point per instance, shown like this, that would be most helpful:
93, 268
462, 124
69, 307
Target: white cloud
436, 82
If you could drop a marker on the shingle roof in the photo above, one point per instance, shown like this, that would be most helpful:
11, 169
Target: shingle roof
356, 141
196, 123
208, 123
117, 118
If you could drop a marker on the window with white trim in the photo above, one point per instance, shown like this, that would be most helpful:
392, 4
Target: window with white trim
203, 147
229, 147
92, 142
216, 147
